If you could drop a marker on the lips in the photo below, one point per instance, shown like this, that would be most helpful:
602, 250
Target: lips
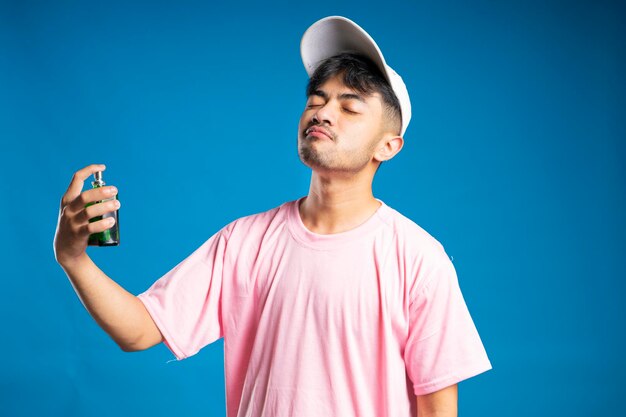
317, 131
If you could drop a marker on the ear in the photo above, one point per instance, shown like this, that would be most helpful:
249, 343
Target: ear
388, 147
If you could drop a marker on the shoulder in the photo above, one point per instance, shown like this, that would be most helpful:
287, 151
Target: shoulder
253, 229
258, 220
410, 234
419, 251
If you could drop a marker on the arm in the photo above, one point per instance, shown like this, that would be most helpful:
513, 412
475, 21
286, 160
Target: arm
118, 312
442, 403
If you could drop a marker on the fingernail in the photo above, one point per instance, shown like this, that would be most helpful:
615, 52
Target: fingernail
112, 190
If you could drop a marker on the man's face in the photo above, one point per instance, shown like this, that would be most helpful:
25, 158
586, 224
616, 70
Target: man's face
339, 128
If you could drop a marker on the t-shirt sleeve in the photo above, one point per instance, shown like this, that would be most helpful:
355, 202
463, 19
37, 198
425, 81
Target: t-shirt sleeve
443, 346
185, 303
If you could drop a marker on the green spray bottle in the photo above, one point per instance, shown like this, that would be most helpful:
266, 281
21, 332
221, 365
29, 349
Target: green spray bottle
109, 237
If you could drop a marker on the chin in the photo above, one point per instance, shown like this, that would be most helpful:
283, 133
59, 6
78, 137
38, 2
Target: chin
312, 159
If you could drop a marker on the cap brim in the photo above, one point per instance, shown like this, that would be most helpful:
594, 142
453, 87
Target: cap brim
333, 35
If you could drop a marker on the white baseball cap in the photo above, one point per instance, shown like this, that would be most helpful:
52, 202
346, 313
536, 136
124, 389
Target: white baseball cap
333, 35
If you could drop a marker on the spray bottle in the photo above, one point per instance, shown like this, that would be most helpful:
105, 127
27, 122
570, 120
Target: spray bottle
109, 237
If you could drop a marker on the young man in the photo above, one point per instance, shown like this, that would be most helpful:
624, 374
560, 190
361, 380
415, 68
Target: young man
331, 305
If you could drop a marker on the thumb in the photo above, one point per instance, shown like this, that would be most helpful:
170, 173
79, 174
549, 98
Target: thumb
78, 180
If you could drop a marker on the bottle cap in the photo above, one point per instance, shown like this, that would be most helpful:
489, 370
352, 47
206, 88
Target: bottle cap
97, 176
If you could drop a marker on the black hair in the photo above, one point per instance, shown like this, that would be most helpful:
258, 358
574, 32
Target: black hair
362, 75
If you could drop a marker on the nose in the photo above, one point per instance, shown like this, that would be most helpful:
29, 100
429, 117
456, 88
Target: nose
325, 115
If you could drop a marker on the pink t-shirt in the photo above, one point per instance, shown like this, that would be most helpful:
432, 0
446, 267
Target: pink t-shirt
349, 324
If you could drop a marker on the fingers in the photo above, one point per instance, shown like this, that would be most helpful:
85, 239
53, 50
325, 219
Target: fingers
78, 180
74, 227
98, 210
91, 196
99, 226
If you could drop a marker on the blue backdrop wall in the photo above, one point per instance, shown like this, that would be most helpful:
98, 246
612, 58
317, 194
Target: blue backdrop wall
514, 160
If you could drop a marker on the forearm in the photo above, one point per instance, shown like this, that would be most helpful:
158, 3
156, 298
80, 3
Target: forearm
442, 403
438, 414
118, 312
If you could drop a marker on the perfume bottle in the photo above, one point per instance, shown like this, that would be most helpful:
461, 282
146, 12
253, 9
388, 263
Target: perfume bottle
109, 237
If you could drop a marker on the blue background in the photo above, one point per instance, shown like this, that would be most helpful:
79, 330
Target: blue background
514, 160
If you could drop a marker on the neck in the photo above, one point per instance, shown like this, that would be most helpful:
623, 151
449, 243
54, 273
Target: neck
336, 205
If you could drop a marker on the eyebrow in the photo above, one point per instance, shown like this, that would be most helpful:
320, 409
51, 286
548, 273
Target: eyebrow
344, 96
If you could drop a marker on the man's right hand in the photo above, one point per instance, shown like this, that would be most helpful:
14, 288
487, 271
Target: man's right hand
73, 227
